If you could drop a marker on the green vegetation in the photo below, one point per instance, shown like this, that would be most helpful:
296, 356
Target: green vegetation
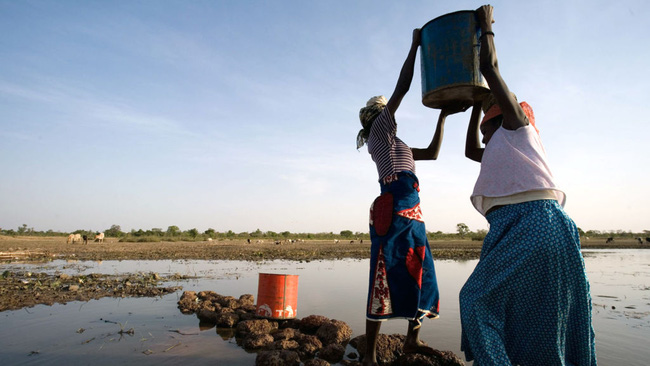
174, 233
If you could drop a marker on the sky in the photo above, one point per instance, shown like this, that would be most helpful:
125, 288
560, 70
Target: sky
243, 115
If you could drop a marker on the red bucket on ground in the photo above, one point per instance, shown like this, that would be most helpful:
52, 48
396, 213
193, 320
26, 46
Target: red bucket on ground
277, 296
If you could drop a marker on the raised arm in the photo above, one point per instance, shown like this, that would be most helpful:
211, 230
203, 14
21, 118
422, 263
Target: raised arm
513, 116
431, 152
405, 76
473, 149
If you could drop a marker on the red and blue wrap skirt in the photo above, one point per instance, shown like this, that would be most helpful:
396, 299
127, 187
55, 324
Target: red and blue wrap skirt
402, 275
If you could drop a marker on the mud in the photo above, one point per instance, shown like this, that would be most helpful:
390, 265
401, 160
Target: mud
26, 289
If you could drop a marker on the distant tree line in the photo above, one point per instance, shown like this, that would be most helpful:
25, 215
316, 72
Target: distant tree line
174, 233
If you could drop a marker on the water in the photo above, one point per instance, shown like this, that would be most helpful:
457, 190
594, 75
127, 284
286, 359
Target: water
88, 332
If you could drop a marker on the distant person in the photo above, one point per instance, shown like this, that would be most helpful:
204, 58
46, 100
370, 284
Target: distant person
527, 301
402, 276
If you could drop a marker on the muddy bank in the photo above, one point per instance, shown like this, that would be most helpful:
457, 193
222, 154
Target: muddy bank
26, 289
49, 248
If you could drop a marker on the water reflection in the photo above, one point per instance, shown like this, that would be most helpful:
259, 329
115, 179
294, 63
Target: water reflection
337, 289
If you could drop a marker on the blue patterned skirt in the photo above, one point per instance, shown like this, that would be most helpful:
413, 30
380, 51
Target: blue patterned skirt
527, 301
402, 275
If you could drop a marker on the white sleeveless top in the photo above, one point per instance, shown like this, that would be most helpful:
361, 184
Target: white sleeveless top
514, 170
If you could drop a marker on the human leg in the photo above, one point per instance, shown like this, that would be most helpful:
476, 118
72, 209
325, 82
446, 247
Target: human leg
372, 332
413, 344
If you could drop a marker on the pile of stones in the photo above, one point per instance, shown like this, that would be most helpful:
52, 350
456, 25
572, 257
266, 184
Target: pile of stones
311, 341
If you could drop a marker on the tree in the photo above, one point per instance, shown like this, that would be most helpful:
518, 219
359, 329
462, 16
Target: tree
193, 232
210, 233
346, 233
173, 230
462, 229
114, 231
22, 229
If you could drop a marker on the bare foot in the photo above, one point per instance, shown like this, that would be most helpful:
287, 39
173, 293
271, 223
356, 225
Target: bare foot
422, 349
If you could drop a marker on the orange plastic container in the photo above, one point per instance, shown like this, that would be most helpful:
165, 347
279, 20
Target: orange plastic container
277, 296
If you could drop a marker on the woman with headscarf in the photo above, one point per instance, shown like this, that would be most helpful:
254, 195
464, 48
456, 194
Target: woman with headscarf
402, 275
527, 301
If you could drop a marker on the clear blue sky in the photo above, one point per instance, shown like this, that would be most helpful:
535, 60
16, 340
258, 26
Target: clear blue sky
242, 115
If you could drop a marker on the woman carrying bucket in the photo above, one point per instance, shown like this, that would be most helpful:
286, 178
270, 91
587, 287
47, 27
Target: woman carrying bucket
402, 275
527, 301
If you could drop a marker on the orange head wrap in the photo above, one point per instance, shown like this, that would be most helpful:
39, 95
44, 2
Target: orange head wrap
495, 111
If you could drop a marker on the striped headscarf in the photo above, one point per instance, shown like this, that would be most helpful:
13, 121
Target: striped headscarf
374, 106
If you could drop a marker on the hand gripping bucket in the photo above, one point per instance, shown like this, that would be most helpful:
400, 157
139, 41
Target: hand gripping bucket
449, 61
277, 296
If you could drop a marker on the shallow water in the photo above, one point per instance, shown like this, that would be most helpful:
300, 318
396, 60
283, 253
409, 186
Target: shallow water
88, 332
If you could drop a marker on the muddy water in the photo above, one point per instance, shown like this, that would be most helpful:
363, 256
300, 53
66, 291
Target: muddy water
153, 331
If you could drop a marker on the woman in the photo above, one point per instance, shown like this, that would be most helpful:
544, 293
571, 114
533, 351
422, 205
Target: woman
402, 275
527, 301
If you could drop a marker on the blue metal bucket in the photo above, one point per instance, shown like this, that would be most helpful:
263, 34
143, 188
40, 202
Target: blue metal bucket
449, 61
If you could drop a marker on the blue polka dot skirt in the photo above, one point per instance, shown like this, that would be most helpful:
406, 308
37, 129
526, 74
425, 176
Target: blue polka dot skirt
527, 301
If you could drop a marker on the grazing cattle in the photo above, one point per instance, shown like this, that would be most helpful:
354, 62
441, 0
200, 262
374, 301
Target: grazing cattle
72, 238
639, 240
99, 237
85, 237
647, 239
336, 241
609, 240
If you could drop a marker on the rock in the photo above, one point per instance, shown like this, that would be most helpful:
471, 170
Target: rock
415, 359
332, 353
260, 326
286, 333
389, 347
227, 320
228, 302
316, 362
277, 358
62, 276
73, 288
255, 341
248, 308
311, 323
350, 363
290, 323
207, 316
286, 344
334, 331
309, 345
247, 299
209, 305
207, 295
188, 303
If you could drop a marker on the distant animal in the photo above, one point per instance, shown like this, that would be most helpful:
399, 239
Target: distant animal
99, 237
85, 237
351, 241
647, 240
336, 241
609, 240
72, 238
248, 240
639, 240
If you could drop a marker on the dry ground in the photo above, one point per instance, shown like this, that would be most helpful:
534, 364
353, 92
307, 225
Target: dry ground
47, 248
